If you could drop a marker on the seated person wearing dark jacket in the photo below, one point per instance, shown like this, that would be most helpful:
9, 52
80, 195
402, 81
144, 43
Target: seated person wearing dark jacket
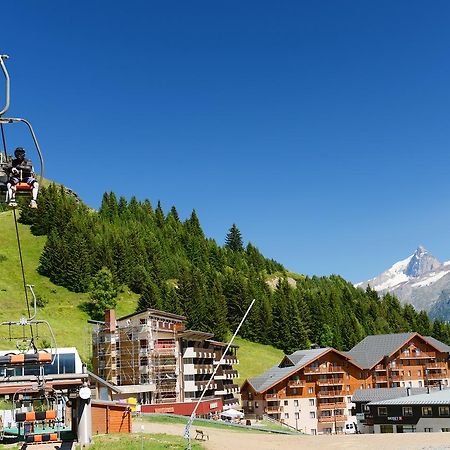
21, 169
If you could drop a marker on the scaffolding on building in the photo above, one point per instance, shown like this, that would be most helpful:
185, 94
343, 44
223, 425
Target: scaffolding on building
140, 353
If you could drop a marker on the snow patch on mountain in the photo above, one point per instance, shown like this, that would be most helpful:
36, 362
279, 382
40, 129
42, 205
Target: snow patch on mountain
421, 280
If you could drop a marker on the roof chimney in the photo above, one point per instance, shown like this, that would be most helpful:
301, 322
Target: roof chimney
110, 320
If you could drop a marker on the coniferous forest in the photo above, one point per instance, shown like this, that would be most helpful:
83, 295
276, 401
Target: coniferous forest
173, 266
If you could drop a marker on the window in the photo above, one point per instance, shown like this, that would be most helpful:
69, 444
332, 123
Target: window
444, 411
311, 402
419, 373
313, 431
428, 430
409, 373
142, 321
297, 415
256, 405
409, 384
348, 388
295, 402
366, 408
312, 414
67, 363
382, 411
407, 411
420, 383
310, 390
286, 415
427, 411
143, 361
327, 431
339, 429
286, 402
294, 390
445, 430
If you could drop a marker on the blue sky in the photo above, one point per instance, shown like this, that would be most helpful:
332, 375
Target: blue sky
319, 128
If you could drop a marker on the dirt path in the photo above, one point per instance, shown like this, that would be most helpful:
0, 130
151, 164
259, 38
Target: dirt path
235, 440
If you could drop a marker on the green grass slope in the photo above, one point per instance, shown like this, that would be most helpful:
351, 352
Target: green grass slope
62, 311
68, 321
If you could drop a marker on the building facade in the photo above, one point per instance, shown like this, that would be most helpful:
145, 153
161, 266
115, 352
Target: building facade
157, 359
311, 390
428, 412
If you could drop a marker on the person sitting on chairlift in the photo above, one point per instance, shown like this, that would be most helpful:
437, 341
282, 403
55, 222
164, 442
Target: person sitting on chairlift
21, 169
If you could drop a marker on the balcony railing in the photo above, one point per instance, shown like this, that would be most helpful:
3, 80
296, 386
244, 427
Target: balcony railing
334, 393
380, 379
414, 355
380, 368
332, 419
331, 405
296, 383
436, 376
328, 369
330, 381
436, 365
273, 409
271, 396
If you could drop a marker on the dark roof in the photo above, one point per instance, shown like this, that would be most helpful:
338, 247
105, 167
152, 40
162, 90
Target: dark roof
155, 312
373, 348
194, 335
276, 373
435, 397
378, 394
437, 344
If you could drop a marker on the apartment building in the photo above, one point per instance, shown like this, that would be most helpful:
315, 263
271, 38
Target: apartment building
160, 361
311, 390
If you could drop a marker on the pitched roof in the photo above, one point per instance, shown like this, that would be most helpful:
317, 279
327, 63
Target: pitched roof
379, 394
437, 344
437, 397
277, 373
373, 348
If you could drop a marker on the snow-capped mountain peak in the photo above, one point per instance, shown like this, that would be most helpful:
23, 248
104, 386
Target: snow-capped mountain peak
421, 279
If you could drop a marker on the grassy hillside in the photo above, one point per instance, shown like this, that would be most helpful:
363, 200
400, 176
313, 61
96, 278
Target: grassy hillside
62, 311
254, 359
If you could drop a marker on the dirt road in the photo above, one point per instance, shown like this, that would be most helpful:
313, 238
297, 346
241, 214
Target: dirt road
235, 440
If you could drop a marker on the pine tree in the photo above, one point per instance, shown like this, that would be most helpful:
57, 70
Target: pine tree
233, 239
103, 294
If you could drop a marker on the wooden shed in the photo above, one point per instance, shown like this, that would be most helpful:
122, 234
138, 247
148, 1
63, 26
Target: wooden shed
110, 417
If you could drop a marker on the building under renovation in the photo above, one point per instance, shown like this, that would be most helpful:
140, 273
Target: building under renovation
155, 359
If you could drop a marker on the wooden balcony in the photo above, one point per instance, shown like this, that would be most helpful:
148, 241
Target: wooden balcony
296, 383
272, 396
323, 370
414, 355
331, 405
380, 379
437, 365
397, 378
330, 381
273, 409
332, 419
380, 368
436, 376
334, 393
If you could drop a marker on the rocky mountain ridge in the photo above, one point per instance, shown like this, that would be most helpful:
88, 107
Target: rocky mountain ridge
420, 279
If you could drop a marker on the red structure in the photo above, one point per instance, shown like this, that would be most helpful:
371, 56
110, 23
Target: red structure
185, 409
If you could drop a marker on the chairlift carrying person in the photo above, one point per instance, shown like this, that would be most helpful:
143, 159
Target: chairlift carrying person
21, 177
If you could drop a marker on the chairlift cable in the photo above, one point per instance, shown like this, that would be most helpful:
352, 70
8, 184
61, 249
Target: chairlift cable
23, 276
4, 141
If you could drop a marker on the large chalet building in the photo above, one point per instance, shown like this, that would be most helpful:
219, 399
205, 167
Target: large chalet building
311, 390
155, 359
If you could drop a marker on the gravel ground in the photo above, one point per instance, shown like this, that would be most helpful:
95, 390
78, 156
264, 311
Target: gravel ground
224, 440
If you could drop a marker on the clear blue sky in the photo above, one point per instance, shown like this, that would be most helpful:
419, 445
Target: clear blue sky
320, 128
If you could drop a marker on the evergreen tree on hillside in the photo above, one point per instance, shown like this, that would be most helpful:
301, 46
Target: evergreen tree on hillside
103, 294
233, 239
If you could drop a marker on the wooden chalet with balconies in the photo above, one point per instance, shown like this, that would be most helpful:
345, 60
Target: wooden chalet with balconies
311, 390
